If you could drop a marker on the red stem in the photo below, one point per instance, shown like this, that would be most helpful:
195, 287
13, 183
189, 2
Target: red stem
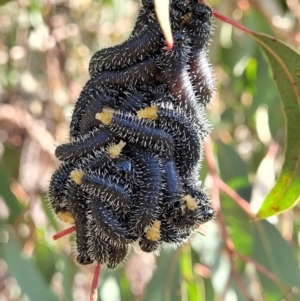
94, 294
262, 269
235, 197
229, 246
228, 20
64, 232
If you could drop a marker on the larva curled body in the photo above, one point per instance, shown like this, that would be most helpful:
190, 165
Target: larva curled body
145, 13
106, 188
88, 122
79, 110
134, 130
137, 74
58, 191
146, 190
83, 145
198, 30
98, 245
117, 254
201, 77
131, 101
171, 233
150, 241
175, 73
187, 139
129, 173
78, 208
137, 48
148, 246
110, 224
172, 185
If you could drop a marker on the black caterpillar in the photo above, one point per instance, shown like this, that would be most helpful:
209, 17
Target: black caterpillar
129, 173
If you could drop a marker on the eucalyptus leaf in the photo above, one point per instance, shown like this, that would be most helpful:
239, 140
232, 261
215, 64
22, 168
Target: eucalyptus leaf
285, 64
275, 254
28, 276
165, 283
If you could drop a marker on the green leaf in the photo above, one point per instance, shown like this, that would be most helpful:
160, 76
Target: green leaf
285, 64
45, 260
68, 269
2, 2
274, 253
165, 282
239, 226
209, 249
15, 207
209, 290
29, 278
190, 283
231, 164
233, 169
49, 213
124, 284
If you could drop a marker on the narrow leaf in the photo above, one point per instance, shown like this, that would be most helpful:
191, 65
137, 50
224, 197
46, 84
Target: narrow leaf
189, 282
276, 255
14, 206
28, 276
238, 224
285, 64
233, 170
165, 282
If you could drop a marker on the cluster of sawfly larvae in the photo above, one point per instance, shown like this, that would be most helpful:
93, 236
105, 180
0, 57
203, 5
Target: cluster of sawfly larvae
129, 173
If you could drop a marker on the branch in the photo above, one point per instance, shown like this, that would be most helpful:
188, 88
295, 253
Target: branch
262, 269
235, 197
221, 185
94, 294
229, 246
33, 127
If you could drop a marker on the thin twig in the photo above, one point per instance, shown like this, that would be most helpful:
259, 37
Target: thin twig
94, 288
64, 233
229, 246
235, 197
221, 185
33, 127
262, 269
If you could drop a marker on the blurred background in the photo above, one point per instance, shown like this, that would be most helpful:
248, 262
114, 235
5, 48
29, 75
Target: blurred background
45, 47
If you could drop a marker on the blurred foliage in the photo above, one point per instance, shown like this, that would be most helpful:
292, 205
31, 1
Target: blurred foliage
45, 47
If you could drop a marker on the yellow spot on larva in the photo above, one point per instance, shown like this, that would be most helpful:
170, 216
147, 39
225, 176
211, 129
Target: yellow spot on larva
105, 116
66, 217
149, 113
153, 233
190, 202
77, 175
187, 18
114, 151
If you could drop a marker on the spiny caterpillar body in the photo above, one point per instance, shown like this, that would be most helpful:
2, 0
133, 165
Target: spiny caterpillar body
130, 170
